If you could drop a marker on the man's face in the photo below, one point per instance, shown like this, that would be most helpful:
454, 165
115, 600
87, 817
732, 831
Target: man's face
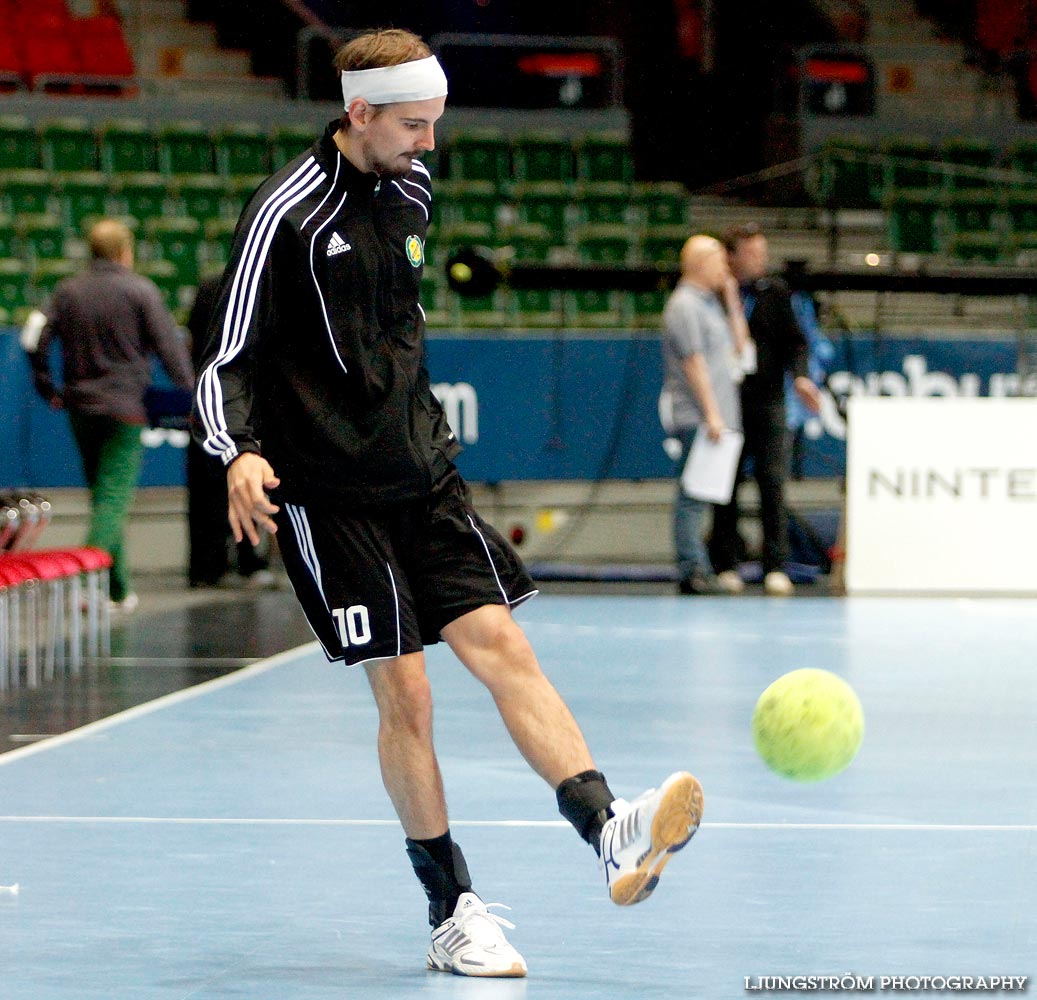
714, 272
750, 259
395, 134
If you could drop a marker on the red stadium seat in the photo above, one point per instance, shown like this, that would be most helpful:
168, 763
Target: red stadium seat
56, 629
10, 61
13, 577
103, 52
51, 61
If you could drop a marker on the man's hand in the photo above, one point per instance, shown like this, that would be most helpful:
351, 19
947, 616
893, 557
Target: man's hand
249, 476
808, 392
714, 427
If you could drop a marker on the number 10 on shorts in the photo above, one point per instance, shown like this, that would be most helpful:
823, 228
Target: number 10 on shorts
354, 625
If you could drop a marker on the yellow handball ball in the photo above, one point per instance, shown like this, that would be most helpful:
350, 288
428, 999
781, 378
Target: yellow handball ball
808, 725
461, 273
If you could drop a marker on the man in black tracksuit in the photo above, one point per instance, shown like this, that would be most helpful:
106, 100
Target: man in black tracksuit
313, 392
780, 347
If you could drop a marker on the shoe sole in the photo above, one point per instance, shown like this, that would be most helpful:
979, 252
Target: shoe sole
674, 824
515, 972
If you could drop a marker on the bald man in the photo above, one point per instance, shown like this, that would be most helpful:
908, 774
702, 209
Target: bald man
109, 322
704, 347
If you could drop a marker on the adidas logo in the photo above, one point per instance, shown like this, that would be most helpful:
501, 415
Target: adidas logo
337, 245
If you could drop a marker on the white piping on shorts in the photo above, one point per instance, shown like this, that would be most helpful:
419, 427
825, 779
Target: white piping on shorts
507, 600
301, 527
396, 605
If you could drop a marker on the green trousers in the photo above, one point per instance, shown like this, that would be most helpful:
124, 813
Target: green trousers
111, 452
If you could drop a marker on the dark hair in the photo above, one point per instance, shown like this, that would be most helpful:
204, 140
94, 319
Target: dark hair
737, 235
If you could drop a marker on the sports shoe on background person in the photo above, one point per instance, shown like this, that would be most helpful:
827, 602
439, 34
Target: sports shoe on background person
471, 942
642, 836
777, 584
731, 582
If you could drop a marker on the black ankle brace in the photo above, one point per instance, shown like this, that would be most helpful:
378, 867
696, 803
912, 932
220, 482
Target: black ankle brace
584, 800
443, 884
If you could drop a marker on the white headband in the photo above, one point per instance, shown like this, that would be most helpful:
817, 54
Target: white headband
418, 80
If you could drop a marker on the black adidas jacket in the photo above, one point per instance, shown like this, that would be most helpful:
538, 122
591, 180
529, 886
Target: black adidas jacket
315, 356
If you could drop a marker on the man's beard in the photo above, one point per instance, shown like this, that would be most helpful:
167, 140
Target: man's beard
400, 166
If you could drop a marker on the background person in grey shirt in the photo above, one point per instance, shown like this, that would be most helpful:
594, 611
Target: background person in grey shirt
109, 323
704, 341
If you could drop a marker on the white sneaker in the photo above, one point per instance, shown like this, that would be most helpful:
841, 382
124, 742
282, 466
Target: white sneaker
777, 584
641, 837
731, 582
471, 942
127, 605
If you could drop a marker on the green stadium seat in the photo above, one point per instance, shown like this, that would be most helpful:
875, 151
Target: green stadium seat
911, 164
542, 156
177, 240
26, 192
239, 189
471, 201
1021, 156
662, 204
973, 210
535, 307
592, 308
480, 311
288, 142
603, 203
19, 144
163, 273
42, 236
979, 247
219, 234
480, 155
185, 148
14, 285
603, 156
527, 243
847, 174
661, 245
199, 196
128, 146
46, 276
434, 299
456, 236
544, 204
82, 196
141, 196
914, 221
8, 239
1021, 213
975, 156
603, 245
646, 308
242, 149
68, 144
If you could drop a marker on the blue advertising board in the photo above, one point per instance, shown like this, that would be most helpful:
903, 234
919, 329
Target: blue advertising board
551, 406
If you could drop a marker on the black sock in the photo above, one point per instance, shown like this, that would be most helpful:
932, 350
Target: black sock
584, 800
441, 869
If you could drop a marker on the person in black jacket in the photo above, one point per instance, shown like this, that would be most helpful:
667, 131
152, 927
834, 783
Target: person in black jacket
313, 392
780, 347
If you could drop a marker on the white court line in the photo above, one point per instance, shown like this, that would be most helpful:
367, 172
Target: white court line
528, 823
166, 701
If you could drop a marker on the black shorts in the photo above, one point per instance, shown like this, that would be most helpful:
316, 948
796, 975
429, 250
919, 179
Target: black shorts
381, 582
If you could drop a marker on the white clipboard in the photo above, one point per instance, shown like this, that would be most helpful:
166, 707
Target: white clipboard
711, 468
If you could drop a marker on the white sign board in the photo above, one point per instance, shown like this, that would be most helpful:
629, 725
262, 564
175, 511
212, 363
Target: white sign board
941, 495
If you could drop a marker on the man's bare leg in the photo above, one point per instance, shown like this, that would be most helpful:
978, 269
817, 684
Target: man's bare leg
410, 770
496, 651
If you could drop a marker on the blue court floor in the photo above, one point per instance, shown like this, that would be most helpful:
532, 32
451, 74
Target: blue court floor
233, 840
